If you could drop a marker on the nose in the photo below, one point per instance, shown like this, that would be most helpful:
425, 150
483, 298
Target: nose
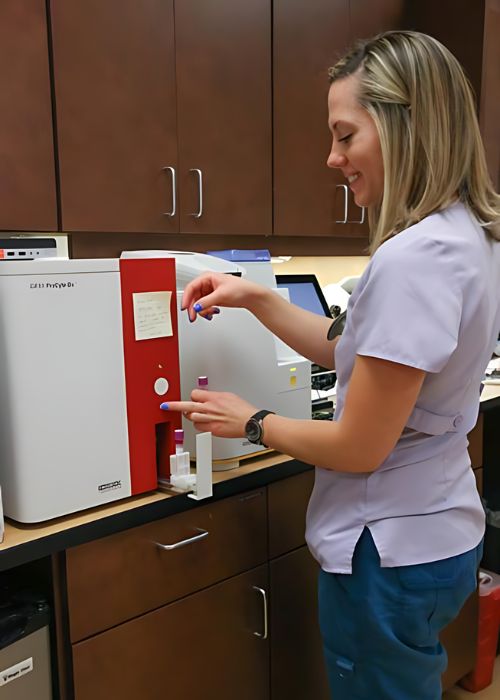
336, 159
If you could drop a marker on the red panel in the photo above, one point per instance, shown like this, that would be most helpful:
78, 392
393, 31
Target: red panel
145, 362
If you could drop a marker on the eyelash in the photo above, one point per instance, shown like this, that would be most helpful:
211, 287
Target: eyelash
345, 138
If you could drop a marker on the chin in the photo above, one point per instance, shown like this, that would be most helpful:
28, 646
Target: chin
363, 200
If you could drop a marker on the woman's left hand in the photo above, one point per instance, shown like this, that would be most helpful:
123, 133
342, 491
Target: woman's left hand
220, 413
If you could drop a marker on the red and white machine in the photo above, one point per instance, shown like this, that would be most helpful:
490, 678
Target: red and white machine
88, 351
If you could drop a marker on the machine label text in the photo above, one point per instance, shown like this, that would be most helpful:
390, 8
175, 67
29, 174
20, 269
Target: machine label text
110, 486
52, 285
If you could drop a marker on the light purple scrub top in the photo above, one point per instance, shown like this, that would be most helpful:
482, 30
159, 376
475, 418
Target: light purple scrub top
429, 298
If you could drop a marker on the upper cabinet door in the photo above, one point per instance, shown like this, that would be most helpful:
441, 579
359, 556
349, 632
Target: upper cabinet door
114, 73
223, 53
309, 198
27, 172
370, 17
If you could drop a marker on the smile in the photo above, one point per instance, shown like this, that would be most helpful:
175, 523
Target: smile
352, 178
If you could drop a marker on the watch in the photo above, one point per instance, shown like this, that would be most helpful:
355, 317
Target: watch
254, 430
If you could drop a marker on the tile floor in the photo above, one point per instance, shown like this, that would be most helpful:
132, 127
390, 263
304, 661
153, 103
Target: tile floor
492, 692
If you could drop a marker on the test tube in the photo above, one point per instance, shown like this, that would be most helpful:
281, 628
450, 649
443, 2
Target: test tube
179, 441
202, 382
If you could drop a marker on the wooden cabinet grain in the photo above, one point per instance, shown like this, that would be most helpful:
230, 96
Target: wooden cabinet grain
237, 618
114, 79
162, 127
119, 577
27, 170
310, 198
223, 69
297, 666
208, 646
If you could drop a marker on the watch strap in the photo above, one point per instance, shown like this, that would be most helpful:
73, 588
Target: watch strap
261, 414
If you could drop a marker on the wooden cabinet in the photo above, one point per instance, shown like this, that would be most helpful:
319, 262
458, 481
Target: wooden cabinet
223, 69
162, 127
297, 666
310, 198
27, 170
114, 79
177, 606
210, 645
230, 614
132, 572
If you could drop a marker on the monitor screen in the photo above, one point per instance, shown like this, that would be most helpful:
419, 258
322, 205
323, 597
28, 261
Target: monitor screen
305, 292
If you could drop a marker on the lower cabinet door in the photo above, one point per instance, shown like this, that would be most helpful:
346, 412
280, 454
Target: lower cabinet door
211, 645
297, 667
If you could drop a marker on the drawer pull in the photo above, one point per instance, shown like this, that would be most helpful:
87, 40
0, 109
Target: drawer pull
182, 543
199, 174
263, 634
250, 496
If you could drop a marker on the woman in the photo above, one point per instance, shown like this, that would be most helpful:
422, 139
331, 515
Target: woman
394, 520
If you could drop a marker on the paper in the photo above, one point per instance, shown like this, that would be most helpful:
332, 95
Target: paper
152, 318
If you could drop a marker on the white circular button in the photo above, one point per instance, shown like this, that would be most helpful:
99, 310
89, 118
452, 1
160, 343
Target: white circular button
161, 386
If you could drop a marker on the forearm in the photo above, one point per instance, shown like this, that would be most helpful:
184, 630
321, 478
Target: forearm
302, 330
380, 398
320, 443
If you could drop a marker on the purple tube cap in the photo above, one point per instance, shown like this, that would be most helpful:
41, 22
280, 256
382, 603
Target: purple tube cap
202, 382
178, 436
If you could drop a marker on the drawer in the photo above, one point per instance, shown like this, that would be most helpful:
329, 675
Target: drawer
202, 647
124, 575
288, 501
475, 438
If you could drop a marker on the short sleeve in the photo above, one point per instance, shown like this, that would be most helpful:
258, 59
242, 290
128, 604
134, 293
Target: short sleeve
409, 308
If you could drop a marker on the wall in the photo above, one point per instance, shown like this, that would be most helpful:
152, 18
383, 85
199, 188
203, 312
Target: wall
328, 269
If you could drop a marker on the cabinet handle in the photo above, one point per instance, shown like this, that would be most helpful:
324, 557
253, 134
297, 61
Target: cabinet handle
182, 543
250, 496
174, 192
263, 634
346, 199
361, 220
198, 214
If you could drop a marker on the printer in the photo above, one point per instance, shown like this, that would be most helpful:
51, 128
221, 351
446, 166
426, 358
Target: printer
237, 354
88, 350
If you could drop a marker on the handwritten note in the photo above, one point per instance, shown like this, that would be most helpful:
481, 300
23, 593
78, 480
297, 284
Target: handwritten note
152, 318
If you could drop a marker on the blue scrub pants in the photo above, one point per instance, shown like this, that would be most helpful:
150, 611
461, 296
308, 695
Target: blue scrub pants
380, 626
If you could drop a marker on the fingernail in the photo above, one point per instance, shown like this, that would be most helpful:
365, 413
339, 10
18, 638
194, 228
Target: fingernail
198, 308
208, 317
164, 406
216, 311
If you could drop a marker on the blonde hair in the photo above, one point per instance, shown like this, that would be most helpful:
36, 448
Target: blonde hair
423, 107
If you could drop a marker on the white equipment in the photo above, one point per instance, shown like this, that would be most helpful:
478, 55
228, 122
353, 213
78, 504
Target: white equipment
237, 354
88, 350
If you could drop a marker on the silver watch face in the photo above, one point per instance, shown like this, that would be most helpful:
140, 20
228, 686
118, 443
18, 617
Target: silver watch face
253, 430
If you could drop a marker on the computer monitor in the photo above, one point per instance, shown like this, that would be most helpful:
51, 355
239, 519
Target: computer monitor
305, 292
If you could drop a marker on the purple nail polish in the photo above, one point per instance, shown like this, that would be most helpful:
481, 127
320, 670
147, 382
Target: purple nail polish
198, 307
216, 310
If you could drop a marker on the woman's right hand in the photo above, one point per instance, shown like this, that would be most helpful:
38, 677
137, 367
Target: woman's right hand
210, 290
